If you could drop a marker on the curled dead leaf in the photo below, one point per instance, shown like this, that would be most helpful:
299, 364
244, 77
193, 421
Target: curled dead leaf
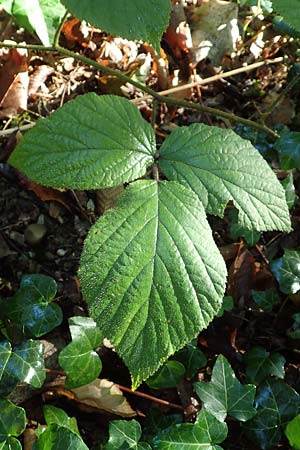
104, 395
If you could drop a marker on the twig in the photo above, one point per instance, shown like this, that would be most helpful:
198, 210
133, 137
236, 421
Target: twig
151, 398
217, 77
9, 131
160, 98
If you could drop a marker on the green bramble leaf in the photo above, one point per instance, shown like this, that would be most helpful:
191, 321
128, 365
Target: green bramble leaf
218, 165
12, 424
204, 434
276, 403
25, 363
261, 364
292, 432
31, 307
125, 434
96, 142
133, 19
289, 10
79, 359
152, 274
167, 376
225, 395
287, 271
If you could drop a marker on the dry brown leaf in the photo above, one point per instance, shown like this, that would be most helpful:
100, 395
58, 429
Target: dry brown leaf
48, 194
104, 395
14, 82
38, 77
241, 275
107, 198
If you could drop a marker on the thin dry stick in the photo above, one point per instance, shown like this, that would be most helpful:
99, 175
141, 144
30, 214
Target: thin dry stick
219, 76
9, 131
151, 398
160, 98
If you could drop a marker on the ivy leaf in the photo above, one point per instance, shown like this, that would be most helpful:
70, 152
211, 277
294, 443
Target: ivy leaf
288, 147
218, 165
79, 359
23, 364
96, 142
289, 10
167, 376
287, 271
124, 434
44, 285
192, 358
30, 305
294, 331
276, 403
11, 444
156, 421
12, 424
59, 417
260, 364
224, 394
152, 274
133, 19
57, 437
236, 230
289, 189
204, 434
292, 432
266, 299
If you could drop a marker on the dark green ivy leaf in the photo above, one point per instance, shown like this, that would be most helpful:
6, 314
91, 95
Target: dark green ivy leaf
276, 403
203, 435
261, 364
25, 363
192, 358
167, 376
288, 147
294, 331
292, 432
79, 359
31, 307
57, 437
266, 299
12, 424
59, 417
156, 421
225, 395
125, 435
287, 271
289, 189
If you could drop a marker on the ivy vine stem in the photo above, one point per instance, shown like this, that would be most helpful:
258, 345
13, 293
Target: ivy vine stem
159, 98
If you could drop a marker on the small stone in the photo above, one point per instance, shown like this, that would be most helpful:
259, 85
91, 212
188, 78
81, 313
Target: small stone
61, 252
35, 233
